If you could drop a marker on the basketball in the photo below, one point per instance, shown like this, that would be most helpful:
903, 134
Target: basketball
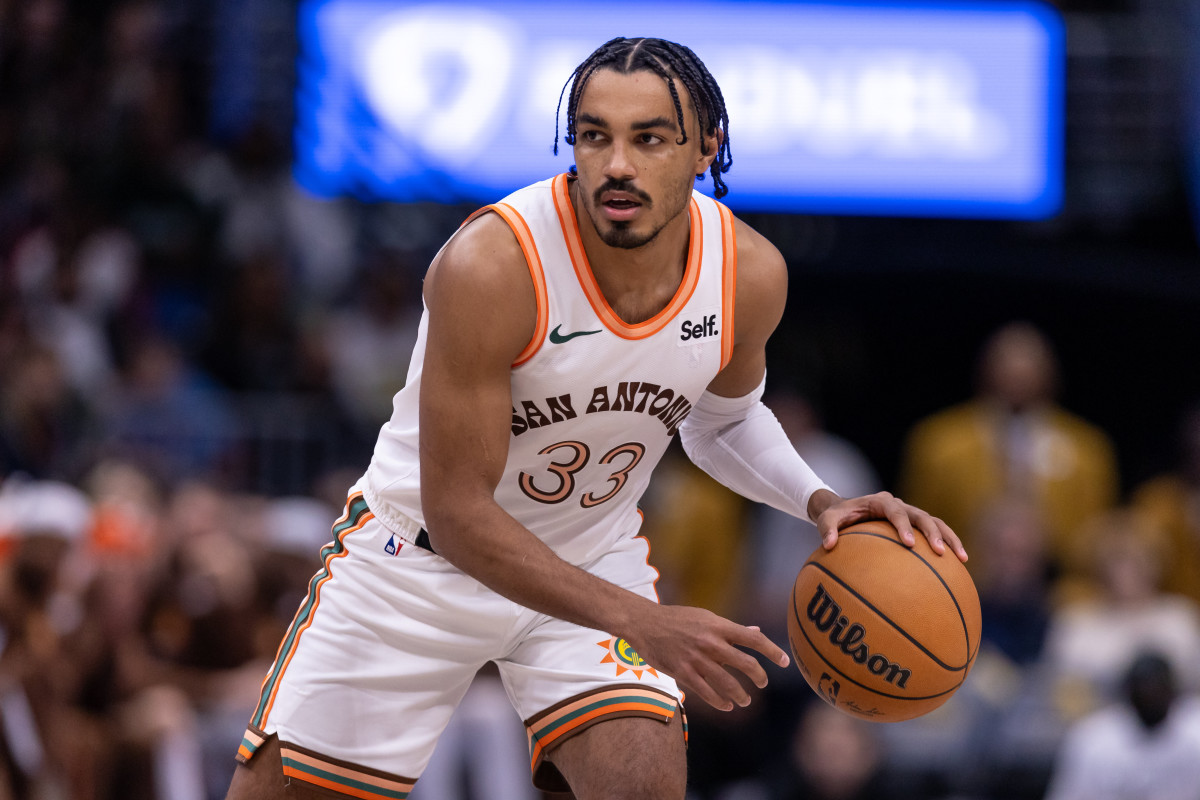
880, 630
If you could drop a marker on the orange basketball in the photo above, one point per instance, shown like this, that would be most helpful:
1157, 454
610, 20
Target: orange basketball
883, 631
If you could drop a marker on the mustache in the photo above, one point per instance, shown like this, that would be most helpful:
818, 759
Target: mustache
613, 185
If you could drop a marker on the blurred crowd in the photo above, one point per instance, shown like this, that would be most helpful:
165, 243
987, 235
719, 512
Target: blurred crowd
195, 357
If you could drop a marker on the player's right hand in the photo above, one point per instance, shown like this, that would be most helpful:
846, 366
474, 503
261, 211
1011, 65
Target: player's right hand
701, 651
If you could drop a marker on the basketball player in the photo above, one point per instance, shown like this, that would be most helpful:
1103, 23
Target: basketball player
569, 331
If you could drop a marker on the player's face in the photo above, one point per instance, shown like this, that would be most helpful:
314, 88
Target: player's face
634, 177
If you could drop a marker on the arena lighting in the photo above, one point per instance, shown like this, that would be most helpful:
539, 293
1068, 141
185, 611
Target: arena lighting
915, 109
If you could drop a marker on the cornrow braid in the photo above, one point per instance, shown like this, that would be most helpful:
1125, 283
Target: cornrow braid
667, 60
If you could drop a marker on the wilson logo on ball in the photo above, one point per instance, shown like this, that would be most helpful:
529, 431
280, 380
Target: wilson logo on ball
827, 617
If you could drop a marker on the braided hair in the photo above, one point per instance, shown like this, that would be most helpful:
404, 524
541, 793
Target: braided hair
667, 60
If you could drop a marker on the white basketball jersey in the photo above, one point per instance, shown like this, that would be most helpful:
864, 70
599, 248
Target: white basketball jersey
595, 401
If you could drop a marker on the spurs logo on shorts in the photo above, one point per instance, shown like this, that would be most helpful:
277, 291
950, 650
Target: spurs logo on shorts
625, 657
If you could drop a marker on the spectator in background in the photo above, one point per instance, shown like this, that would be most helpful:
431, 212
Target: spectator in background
44, 422
261, 209
168, 647
126, 503
697, 530
1092, 639
75, 274
378, 327
1146, 746
46, 748
1012, 439
167, 415
1172, 501
1006, 721
95, 702
255, 329
1014, 582
833, 756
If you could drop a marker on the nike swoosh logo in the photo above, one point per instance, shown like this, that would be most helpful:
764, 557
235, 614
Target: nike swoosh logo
560, 338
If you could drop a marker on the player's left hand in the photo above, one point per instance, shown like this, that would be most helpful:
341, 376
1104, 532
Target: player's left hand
842, 513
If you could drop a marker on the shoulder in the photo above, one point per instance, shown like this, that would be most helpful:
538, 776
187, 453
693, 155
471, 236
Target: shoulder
1165, 491
1084, 433
761, 278
954, 432
485, 248
481, 280
759, 260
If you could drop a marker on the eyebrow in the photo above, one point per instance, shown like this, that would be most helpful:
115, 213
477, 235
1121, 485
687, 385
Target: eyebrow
656, 122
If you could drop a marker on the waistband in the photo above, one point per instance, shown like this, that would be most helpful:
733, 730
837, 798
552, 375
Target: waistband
422, 541
408, 528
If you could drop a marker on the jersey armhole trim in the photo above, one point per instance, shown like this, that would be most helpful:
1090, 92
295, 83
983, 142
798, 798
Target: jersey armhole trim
533, 261
728, 282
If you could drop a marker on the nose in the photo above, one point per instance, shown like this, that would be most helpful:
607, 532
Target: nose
619, 165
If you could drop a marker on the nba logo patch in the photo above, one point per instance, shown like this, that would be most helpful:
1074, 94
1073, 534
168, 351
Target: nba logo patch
390, 548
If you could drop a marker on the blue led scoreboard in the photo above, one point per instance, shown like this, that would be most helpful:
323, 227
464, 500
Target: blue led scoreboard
910, 109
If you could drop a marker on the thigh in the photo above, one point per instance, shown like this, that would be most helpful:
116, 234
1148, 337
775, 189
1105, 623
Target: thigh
627, 757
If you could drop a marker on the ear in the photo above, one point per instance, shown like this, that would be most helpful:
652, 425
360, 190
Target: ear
710, 145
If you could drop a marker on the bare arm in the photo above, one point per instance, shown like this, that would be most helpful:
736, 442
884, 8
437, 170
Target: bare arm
482, 313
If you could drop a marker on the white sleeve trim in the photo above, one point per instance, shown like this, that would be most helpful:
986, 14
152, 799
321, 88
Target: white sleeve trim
738, 441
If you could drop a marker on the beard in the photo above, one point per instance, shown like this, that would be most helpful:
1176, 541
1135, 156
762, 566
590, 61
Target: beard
622, 235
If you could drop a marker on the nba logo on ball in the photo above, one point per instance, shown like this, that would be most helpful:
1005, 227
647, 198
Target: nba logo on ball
882, 631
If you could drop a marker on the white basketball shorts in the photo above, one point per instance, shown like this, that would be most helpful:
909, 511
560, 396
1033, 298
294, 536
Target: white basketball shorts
389, 637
